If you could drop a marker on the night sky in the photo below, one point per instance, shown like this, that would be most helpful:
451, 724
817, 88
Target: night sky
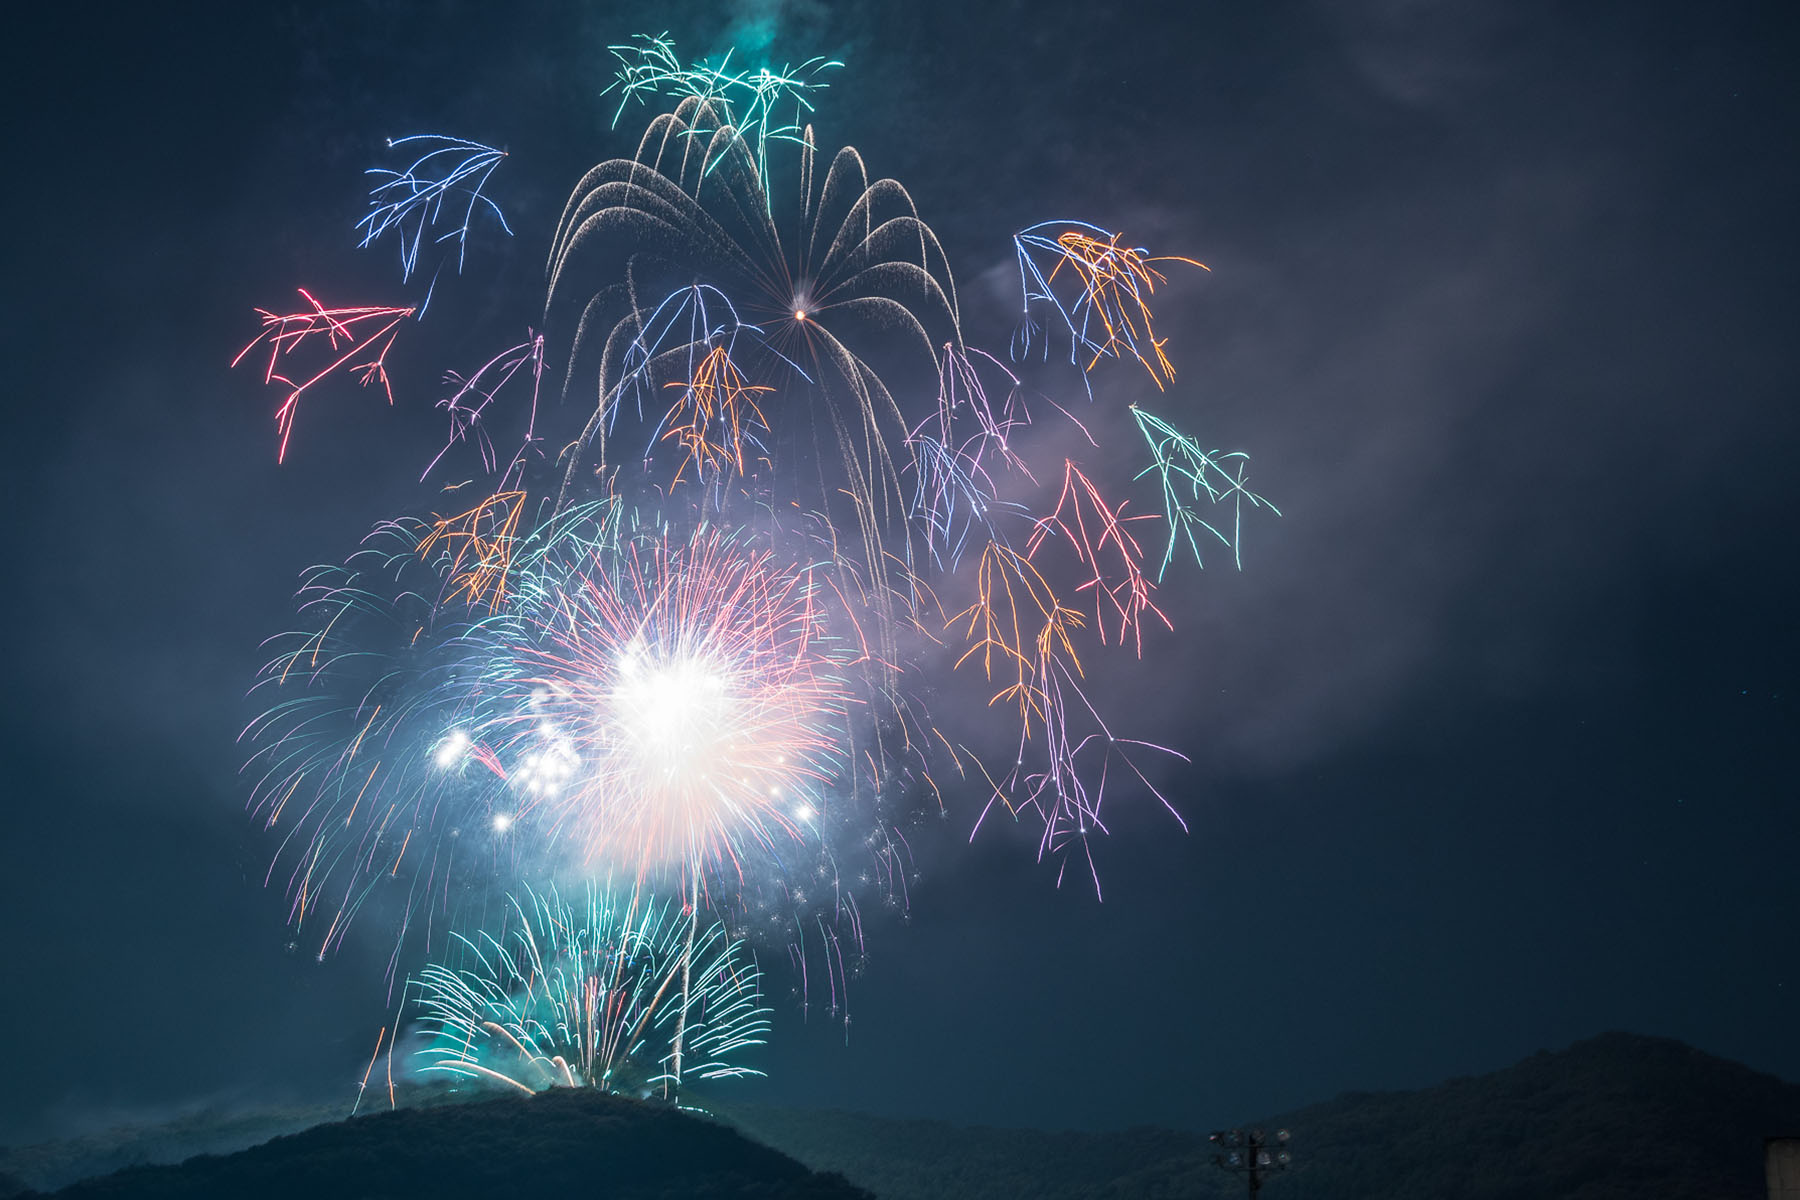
1494, 737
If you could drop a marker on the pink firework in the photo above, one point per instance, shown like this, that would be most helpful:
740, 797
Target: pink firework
325, 341
680, 705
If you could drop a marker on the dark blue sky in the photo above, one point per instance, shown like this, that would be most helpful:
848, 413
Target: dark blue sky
1494, 738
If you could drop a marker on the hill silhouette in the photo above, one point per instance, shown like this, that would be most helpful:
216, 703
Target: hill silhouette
571, 1142
1609, 1118
1612, 1117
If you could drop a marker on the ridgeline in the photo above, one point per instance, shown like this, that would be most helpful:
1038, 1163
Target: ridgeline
1617, 1117
565, 1142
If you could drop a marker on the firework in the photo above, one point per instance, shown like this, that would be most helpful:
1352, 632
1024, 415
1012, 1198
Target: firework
468, 408
863, 292
953, 450
1017, 620
618, 993
468, 698
342, 765
677, 704
1102, 542
716, 415
1191, 476
1068, 790
409, 202
362, 759
335, 337
681, 638
745, 100
480, 543
1099, 289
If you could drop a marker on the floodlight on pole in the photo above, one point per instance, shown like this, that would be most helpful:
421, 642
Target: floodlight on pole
1252, 1153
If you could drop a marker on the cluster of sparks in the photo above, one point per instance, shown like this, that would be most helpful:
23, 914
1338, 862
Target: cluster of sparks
611, 993
691, 690
698, 666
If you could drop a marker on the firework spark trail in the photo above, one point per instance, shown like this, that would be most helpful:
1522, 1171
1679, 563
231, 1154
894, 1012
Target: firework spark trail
1097, 533
1190, 475
408, 202
468, 405
1107, 312
715, 415
480, 543
1016, 618
746, 100
961, 392
953, 498
618, 994
1067, 799
954, 494
344, 335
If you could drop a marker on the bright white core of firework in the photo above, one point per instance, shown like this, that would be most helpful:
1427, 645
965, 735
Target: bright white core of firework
672, 714
450, 751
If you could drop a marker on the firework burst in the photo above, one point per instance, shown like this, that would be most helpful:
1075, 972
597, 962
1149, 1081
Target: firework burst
683, 632
618, 993
677, 703
309, 346
407, 203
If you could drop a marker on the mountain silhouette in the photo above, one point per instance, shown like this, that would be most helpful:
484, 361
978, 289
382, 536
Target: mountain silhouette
1612, 1117
1617, 1116
564, 1142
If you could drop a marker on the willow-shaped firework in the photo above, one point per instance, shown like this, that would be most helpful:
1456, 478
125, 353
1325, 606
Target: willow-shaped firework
1191, 477
446, 172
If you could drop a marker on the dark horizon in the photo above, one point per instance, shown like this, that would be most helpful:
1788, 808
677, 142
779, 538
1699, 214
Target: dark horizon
1493, 737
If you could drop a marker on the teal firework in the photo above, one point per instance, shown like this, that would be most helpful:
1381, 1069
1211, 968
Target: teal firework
620, 992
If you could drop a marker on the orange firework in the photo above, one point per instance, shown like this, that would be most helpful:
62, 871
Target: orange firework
1117, 282
712, 417
1017, 619
1109, 317
480, 543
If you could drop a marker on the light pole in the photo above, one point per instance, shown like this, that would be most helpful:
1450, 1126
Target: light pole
1251, 1154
